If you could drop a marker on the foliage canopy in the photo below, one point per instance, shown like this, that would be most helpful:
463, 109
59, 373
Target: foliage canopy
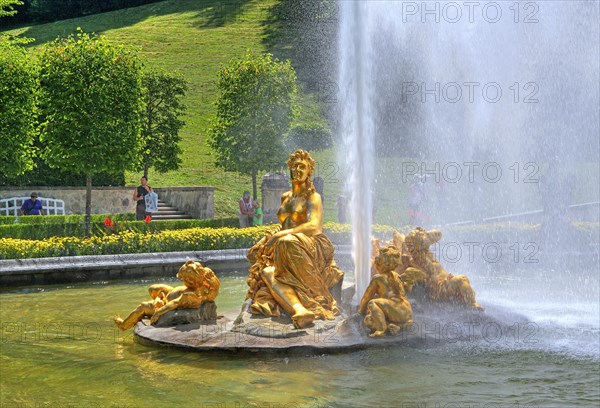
310, 136
7, 7
255, 106
161, 121
18, 90
90, 104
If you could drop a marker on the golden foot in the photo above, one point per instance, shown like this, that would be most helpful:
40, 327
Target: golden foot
393, 329
302, 320
377, 333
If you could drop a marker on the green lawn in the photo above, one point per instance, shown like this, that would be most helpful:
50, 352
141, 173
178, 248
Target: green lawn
194, 38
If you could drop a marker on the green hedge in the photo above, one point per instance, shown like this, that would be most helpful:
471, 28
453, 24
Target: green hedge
62, 219
36, 227
43, 175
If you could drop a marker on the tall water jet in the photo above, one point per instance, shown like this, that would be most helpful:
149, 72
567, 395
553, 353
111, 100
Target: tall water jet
356, 125
498, 109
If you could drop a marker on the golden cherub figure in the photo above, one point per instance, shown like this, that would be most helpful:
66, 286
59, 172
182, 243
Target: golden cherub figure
200, 285
418, 259
384, 304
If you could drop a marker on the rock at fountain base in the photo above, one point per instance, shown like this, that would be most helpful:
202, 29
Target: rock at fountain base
281, 327
206, 312
435, 325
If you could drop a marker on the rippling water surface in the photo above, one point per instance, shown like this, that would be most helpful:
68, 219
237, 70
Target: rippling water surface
60, 349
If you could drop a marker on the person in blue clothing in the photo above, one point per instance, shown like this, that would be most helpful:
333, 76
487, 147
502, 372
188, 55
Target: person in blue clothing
32, 206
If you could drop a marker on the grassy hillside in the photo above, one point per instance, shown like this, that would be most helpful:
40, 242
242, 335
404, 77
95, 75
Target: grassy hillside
194, 38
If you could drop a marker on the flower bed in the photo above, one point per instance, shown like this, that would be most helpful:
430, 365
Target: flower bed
128, 242
198, 239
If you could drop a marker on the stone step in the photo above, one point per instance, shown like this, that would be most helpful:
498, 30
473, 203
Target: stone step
167, 212
171, 212
161, 209
171, 217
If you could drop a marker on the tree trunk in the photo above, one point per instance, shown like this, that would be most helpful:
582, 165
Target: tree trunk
88, 203
146, 171
254, 192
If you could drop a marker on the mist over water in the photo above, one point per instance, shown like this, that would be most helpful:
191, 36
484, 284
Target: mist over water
493, 108
484, 100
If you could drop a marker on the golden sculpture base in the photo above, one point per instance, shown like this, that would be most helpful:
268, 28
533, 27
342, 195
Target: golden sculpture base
207, 312
435, 325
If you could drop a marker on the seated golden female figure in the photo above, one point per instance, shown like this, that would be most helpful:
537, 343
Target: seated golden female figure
199, 285
384, 304
293, 268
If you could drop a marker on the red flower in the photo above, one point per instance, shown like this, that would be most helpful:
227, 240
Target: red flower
147, 219
108, 223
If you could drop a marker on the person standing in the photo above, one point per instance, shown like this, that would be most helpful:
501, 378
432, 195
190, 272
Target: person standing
32, 206
258, 215
139, 196
246, 210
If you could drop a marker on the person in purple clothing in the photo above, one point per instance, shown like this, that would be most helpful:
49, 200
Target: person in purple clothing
32, 206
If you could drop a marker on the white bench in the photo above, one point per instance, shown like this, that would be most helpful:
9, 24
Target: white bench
12, 206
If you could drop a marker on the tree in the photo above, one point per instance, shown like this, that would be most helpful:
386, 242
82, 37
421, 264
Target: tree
18, 89
90, 103
161, 121
7, 7
255, 107
310, 136
52, 10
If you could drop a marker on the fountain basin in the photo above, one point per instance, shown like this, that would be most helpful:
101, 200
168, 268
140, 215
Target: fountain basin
435, 325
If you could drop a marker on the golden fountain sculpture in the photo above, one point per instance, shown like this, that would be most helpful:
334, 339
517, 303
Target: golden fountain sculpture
418, 264
200, 285
293, 267
384, 303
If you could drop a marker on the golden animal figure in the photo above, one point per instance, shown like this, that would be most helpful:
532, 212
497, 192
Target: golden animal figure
418, 264
384, 303
293, 267
200, 285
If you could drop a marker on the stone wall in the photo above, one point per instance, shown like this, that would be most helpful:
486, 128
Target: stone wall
105, 200
272, 187
47, 271
196, 201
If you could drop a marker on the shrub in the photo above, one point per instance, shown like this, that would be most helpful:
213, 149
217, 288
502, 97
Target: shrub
310, 136
36, 228
62, 219
44, 175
